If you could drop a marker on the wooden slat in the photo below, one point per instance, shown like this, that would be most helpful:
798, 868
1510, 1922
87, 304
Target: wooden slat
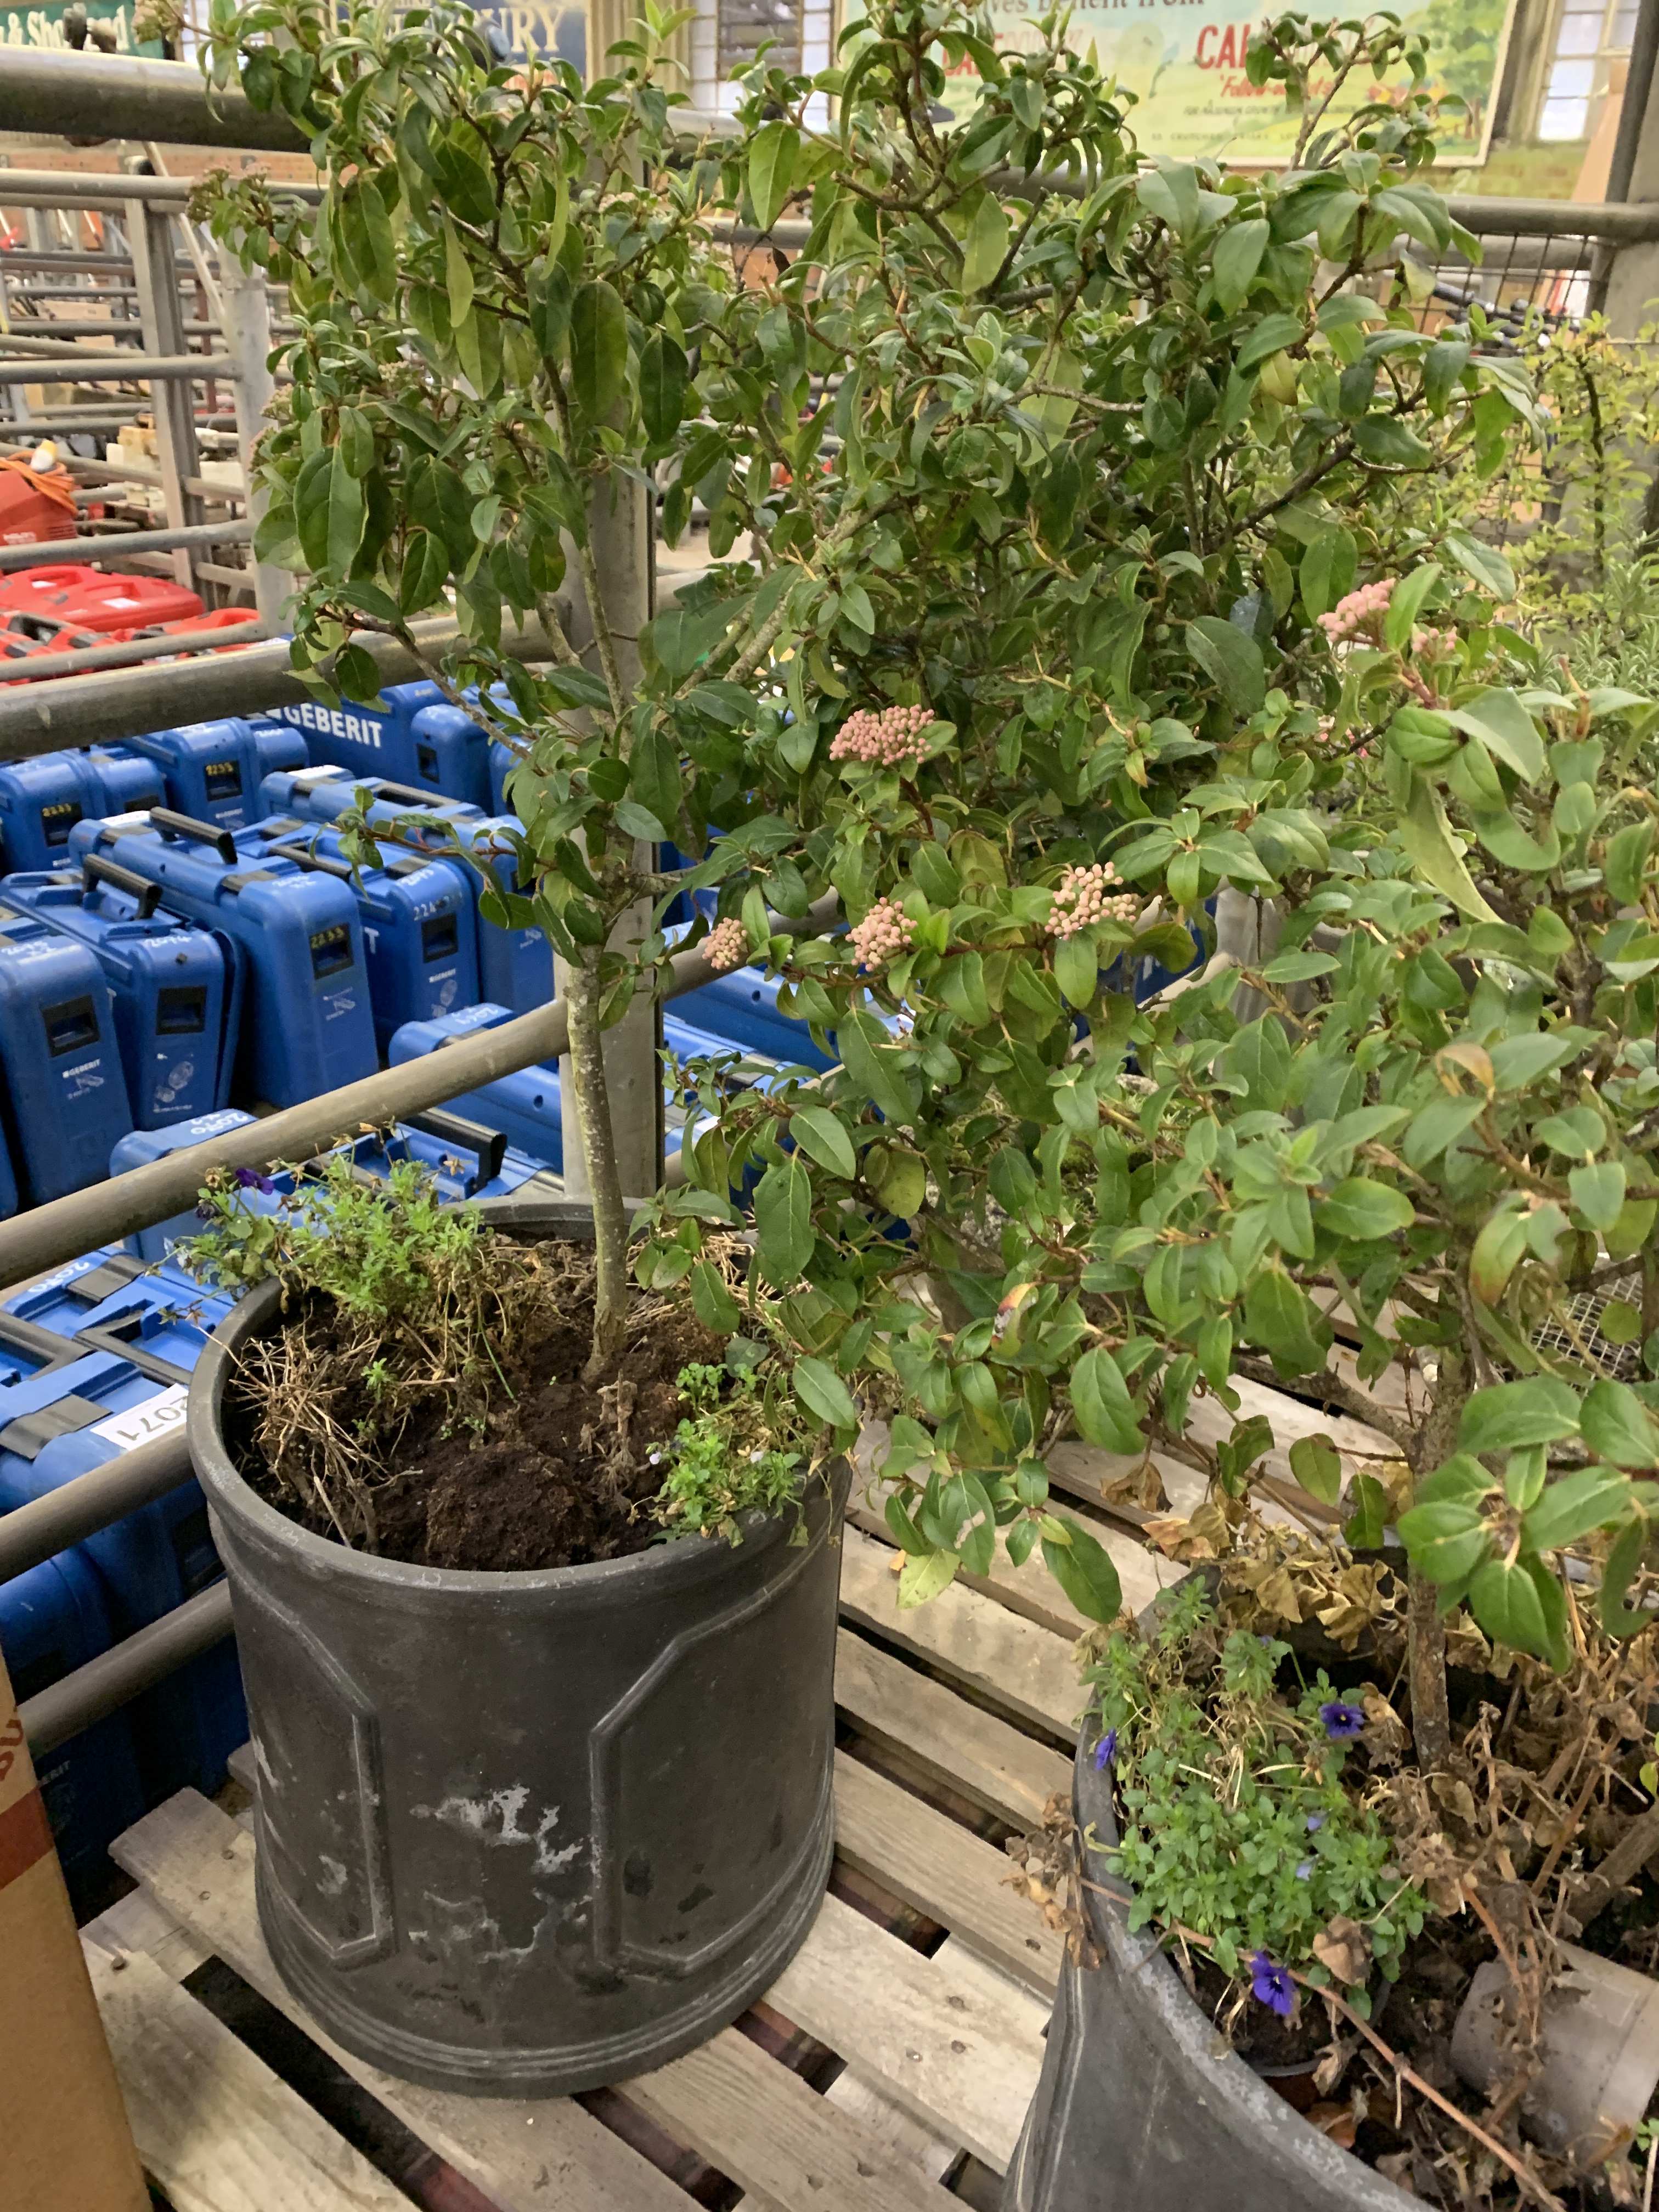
216, 2130
943, 1870
953, 2040
789, 2147
982, 1758
136, 1922
525, 2155
1025, 1669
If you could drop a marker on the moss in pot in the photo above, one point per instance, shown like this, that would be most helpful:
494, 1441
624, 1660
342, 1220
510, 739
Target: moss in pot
538, 1647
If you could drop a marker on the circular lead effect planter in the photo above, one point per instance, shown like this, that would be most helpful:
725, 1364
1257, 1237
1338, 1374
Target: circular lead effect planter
524, 1834
1140, 2106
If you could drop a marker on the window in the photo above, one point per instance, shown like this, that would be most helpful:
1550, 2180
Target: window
1590, 36
745, 23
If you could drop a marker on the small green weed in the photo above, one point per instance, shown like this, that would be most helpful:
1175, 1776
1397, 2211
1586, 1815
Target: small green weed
1236, 1823
385, 1251
730, 1455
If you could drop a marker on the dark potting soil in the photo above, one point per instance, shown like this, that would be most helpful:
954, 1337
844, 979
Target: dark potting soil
560, 1475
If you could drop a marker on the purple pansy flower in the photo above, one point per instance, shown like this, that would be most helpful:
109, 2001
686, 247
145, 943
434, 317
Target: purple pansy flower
1341, 1720
1105, 1751
246, 1179
1305, 1872
1316, 1822
1272, 1985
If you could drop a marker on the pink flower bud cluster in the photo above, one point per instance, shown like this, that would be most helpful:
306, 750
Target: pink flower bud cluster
1433, 643
1351, 615
892, 738
1082, 896
884, 933
727, 945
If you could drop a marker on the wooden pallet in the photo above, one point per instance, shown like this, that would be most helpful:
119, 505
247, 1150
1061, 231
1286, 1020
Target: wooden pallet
954, 1719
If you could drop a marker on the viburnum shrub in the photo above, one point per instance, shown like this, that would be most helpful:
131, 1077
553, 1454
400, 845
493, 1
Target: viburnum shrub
1138, 461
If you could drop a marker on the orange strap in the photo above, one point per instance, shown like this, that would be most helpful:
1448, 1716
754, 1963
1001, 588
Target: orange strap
55, 485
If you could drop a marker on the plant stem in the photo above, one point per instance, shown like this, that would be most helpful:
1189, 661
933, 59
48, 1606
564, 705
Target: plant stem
592, 1106
1426, 1632
1426, 1641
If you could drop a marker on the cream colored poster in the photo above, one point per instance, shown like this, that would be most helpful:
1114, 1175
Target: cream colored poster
1184, 62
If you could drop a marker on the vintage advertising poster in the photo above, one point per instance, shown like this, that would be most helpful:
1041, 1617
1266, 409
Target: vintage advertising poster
1184, 62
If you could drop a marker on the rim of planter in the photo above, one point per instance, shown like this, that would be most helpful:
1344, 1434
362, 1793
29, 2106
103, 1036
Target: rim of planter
681, 1562
1147, 1978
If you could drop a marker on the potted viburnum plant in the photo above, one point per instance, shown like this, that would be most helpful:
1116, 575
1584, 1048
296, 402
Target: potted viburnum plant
1144, 618
534, 1572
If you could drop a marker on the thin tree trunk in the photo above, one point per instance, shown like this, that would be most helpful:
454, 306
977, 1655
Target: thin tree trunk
591, 1111
1426, 1643
1426, 1632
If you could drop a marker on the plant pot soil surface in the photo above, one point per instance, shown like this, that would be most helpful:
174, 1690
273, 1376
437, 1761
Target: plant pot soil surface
560, 1473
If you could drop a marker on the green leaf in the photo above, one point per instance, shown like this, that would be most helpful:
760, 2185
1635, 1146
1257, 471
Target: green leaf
1077, 969
681, 637
772, 170
1618, 1426
1101, 1403
1236, 257
1317, 1467
329, 514
1537, 1410
1327, 569
598, 348
817, 1131
824, 1394
1270, 336
1362, 1210
1505, 1600
1484, 562
1363, 1529
1623, 866
1277, 1317
986, 245
1232, 662
1406, 603
1593, 1498
1440, 1124
1496, 1252
457, 275
1446, 1541
1381, 439
425, 572
653, 774
868, 1056
1505, 728
717, 1310
1518, 1062
921, 1580
1598, 1192
1426, 834
1083, 1568
1629, 1548
663, 370
783, 1221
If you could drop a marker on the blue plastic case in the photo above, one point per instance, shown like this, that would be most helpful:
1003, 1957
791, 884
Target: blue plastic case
420, 932
176, 1007
308, 1023
65, 1104
213, 769
53, 1619
42, 799
420, 740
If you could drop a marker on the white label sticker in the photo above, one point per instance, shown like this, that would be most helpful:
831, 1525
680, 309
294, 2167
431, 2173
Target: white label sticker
142, 1424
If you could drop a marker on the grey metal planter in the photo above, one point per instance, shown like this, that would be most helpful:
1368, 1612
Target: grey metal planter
1140, 2108
524, 1834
